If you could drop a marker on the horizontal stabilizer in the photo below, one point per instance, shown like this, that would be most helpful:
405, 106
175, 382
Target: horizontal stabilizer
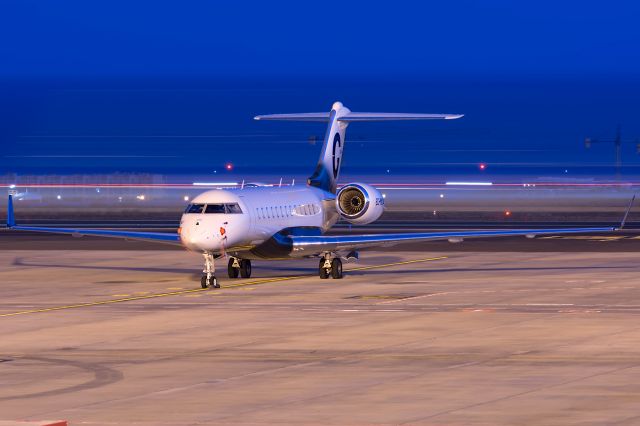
303, 116
392, 116
357, 116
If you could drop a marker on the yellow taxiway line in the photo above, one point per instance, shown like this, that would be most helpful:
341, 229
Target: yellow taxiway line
197, 290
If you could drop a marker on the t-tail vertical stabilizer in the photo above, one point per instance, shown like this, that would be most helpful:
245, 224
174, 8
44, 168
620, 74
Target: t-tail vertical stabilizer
325, 176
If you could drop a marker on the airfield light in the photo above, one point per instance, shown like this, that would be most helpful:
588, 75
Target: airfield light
507, 213
140, 197
441, 195
384, 195
186, 198
59, 197
482, 166
12, 186
228, 166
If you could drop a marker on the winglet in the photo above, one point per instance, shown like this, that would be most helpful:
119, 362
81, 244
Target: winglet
11, 220
626, 213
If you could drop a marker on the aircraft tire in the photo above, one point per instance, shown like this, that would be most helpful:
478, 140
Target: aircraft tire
245, 268
336, 268
213, 282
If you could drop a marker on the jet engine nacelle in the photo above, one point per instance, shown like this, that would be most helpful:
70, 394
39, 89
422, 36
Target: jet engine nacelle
359, 203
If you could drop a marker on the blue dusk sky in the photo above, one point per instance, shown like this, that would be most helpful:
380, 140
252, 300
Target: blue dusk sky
150, 85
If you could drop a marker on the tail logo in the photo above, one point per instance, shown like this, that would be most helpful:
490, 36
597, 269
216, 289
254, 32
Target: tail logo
337, 154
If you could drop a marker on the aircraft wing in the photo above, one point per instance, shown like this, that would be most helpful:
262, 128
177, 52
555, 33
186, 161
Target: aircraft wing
317, 244
310, 245
159, 237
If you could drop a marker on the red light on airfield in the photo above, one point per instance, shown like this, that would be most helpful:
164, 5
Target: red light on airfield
228, 166
507, 213
482, 166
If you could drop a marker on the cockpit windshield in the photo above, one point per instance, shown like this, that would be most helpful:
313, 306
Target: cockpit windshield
214, 208
233, 208
227, 208
194, 208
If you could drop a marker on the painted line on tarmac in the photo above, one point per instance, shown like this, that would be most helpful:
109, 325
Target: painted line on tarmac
198, 290
359, 268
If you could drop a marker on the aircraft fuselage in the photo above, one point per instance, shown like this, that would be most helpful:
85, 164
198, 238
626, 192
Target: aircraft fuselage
248, 222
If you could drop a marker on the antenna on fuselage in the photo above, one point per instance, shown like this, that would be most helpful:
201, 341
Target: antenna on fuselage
280, 186
242, 184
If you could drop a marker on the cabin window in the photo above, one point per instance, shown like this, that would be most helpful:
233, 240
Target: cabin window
194, 208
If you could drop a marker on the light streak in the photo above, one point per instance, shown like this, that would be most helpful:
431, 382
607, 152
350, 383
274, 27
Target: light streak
470, 183
215, 183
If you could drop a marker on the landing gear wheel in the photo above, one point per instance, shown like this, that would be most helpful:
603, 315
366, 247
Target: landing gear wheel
336, 268
232, 270
324, 272
245, 268
211, 282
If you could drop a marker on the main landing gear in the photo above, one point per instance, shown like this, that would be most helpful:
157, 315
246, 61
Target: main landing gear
330, 267
236, 267
208, 278
240, 267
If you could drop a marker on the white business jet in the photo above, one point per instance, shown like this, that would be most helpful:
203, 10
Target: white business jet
264, 222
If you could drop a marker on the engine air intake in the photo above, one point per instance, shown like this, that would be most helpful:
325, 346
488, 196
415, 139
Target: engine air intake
359, 203
352, 201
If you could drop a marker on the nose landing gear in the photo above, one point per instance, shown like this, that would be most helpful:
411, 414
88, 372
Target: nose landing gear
330, 267
208, 278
